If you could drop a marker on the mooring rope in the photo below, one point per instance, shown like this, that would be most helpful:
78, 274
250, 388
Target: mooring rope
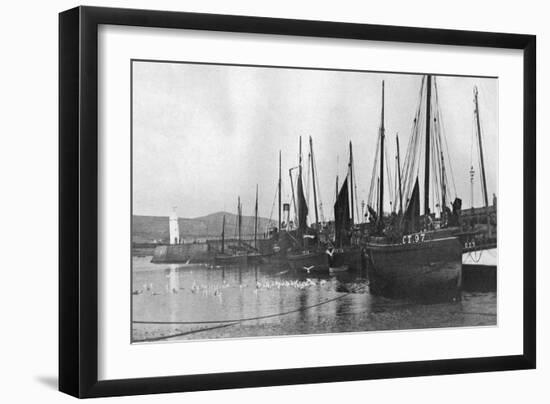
240, 319
472, 256
180, 334
222, 323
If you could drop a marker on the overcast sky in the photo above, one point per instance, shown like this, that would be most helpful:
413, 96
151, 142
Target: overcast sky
204, 134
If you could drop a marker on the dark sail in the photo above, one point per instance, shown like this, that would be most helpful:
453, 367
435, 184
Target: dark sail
342, 218
412, 214
302, 206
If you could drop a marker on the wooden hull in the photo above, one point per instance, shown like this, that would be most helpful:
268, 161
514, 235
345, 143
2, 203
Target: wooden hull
256, 258
231, 260
479, 270
310, 261
352, 258
276, 259
335, 270
429, 268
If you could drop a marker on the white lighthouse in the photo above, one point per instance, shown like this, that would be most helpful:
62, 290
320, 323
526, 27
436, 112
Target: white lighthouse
174, 228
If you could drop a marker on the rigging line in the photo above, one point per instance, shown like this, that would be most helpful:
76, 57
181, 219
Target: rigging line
273, 206
438, 161
236, 223
355, 193
308, 180
388, 173
472, 142
408, 161
444, 177
472, 145
480, 167
475, 132
442, 133
483, 178
294, 185
243, 319
319, 201
181, 334
413, 155
395, 186
446, 144
374, 170
373, 177
437, 175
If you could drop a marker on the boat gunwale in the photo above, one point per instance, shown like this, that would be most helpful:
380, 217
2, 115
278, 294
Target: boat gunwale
410, 246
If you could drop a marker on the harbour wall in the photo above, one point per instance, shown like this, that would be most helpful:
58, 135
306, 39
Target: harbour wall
205, 251
198, 252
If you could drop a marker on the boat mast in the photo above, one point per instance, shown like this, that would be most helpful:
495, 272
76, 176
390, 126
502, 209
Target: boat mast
472, 173
427, 151
223, 234
337, 161
313, 178
293, 197
399, 174
279, 193
443, 184
256, 221
483, 180
300, 157
239, 219
351, 182
381, 178
300, 168
378, 192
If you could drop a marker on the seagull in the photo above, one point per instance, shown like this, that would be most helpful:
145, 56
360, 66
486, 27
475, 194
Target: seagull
309, 236
309, 268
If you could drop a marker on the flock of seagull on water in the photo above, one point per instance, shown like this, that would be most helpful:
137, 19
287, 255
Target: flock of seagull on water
207, 290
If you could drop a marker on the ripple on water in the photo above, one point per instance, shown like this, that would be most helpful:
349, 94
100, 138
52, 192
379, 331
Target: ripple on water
211, 302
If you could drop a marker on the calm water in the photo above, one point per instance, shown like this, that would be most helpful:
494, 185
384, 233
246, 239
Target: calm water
268, 300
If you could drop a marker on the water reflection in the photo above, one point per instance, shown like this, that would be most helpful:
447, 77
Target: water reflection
190, 299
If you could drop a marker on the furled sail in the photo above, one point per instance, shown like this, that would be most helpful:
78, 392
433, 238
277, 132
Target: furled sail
302, 206
412, 213
342, 218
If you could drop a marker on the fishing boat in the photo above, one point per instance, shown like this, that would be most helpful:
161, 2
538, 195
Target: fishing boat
280, 237
234, 259
239, 255
255, 256
410, 254
430, 266
307, 253
309, 261
479, 255
345, 254
337, 269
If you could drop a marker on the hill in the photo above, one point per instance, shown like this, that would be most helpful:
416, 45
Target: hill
150, 229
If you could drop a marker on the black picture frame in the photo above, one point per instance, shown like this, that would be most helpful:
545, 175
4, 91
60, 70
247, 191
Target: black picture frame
78, 200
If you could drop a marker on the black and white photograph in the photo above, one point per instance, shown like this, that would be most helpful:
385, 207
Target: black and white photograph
276, 201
